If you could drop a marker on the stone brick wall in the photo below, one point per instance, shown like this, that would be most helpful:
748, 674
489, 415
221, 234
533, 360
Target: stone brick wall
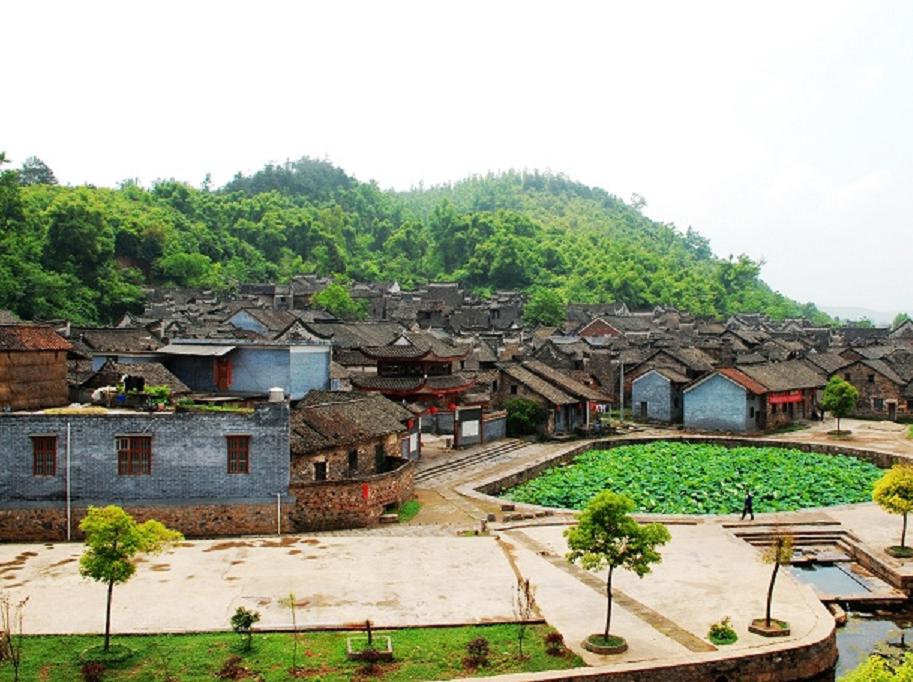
48, 522
782, 414
883, 460
337, 460
189, 457
880, 388
792, 662
329, 505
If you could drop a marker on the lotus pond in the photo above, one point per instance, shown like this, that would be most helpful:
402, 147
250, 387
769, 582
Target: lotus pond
699, 478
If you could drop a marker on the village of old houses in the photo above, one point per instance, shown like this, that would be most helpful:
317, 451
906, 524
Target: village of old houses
254, 415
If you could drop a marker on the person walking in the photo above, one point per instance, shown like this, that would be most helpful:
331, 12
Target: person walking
748, 506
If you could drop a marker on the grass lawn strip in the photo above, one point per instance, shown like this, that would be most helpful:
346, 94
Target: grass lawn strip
420, 654
683, 478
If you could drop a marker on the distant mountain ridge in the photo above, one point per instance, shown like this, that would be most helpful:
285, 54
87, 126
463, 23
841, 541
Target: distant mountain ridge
85, 253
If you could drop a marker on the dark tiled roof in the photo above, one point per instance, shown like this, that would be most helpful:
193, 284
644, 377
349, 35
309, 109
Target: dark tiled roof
326, 419
372, 382
393, 351
537, 384
107, 340
564, 382
273, 320
357, 334
785, 376
154, 373
828, 362
8, 317
25, 337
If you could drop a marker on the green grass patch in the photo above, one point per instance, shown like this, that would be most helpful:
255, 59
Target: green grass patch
910, 431
420, 654
681, 478
408, 510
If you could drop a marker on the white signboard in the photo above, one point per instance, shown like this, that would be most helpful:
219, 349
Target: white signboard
469, 429
413, 442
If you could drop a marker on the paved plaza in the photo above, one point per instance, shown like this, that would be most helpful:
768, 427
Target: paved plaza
425, 573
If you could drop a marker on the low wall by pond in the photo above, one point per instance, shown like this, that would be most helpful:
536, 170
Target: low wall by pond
494, 487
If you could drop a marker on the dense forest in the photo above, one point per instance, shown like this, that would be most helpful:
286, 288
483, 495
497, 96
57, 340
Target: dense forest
85, 253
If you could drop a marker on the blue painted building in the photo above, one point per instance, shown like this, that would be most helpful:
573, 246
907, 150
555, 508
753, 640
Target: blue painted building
723, 401
249, 368
656, 396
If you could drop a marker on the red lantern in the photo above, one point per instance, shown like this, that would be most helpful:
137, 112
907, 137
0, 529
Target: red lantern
452, 407
364, 491
433, 410
410, 423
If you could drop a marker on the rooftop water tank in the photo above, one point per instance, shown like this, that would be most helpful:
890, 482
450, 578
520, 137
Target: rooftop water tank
276, 394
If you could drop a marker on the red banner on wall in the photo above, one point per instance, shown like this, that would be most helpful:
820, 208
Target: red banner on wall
785, 397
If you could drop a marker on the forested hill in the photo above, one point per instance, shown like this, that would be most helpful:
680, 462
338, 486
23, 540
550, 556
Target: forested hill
85, 253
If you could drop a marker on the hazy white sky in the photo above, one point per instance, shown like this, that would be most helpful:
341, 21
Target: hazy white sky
778, 129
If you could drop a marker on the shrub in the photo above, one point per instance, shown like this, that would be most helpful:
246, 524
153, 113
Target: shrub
554, 643
93, 671
477, 651
242, 622
523, 416
722, 632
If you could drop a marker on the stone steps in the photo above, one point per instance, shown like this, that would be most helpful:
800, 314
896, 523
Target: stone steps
487, 454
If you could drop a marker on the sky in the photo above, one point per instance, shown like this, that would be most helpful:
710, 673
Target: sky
779, 129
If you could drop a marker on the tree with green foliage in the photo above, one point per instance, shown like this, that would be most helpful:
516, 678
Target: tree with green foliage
893, 492
34, 171
839, 398
779, 552
242, 622
899, 319
524, 416
607, 536
337, 300
545, 307
879, 668
113, 539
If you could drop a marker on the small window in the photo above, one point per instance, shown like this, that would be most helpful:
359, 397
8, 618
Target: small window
878, 403
751, 412
353, 463
871, 378
238, 454
44, 455
380, 458
513, 389
134, 455
494, 385
320, 471
847, 376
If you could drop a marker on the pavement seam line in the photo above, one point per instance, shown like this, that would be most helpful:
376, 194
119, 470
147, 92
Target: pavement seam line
653, 618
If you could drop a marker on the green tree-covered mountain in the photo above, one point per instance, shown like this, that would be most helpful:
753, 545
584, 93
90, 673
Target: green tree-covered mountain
85, 252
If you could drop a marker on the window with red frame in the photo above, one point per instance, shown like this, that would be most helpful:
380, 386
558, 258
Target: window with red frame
44, 455
134, 455
238, 454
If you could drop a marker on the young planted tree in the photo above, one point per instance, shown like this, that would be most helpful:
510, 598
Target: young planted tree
894, 493
113, 539
606, 535
11, 638
780, 552
839, 398
292, 604
242, 622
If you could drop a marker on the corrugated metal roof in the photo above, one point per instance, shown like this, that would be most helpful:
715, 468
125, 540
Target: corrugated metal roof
196, 349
